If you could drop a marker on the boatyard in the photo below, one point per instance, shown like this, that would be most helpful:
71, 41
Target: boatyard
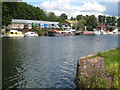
47, 28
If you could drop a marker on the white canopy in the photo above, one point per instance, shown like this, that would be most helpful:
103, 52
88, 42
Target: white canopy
32, 21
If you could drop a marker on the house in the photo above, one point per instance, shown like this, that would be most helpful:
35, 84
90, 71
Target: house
101, 27
72, 23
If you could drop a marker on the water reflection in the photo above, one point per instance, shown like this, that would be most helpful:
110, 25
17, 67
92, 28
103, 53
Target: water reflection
45, 62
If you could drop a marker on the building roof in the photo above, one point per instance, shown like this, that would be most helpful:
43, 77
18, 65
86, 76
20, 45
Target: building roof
32, 21
72, 22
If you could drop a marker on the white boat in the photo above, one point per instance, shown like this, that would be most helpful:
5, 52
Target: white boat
115, 31
110, 33
99, 32
30, 34
103, 32
14, 33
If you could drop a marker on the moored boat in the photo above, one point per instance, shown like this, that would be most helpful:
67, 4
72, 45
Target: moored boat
60, 33
14, 33
88, 33
30, 34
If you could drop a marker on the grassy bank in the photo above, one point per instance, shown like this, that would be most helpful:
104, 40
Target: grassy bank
111, 64
99, 71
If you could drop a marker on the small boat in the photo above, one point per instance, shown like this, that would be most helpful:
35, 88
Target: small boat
115, 31
30, 34
97, 32
14, 33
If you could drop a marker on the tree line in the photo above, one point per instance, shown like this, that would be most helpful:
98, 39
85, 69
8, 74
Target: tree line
92, 22
21, 10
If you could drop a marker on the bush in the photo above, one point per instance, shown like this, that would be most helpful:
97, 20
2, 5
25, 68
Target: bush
89, 28
39, 31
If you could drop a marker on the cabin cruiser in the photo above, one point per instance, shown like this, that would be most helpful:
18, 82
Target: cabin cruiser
30, 34
14, 33
100, 32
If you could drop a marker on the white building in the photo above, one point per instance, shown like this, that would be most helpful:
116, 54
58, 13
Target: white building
21, 24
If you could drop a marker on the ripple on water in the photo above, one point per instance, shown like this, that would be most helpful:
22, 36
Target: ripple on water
45, 62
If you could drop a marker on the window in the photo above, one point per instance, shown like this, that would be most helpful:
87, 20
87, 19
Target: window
16, 33
26, 26
11, 33
2, 27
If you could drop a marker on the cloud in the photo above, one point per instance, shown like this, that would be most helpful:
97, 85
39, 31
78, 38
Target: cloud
65, 6
93, 7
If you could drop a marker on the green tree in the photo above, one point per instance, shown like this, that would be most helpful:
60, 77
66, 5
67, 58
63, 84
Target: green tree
91, 22
52, 16
113, 21
8, 10
20, 10
108, 20
72, 18
102, 19
86, 17
81, 24
89, 27
78, 17
62, 19
63, 16
10, 0
118, 22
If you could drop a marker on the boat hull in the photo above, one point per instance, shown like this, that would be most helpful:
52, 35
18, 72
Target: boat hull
31, 35
9, 35
14, 33
88, 33
59, 34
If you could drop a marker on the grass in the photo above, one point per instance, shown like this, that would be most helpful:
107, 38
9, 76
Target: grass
101, 74
112, 62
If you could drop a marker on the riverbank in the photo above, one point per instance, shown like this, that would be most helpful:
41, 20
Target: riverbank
99, 71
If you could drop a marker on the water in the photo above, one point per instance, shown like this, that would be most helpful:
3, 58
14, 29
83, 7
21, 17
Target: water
48, 62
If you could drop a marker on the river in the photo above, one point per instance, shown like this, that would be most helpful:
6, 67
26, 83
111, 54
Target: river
48, 62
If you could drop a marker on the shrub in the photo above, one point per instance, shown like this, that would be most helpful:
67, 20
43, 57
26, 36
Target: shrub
39, 31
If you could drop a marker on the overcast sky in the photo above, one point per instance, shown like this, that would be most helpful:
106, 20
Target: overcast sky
77, 7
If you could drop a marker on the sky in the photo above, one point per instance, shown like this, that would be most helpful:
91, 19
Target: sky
77, 7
